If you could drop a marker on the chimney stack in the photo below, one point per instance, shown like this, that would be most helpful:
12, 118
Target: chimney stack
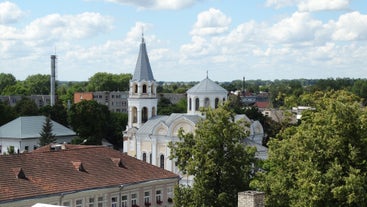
53, 81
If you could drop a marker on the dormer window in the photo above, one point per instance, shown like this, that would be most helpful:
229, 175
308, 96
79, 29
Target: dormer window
79, 166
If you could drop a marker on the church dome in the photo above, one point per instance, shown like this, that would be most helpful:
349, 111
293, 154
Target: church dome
206, 86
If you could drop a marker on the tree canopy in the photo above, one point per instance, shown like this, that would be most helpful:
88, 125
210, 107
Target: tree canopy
217, 158
322, 161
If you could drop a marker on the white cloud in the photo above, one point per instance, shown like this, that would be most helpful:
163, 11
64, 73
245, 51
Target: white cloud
310, 5
211, 22
299, 27
157, 4
350, 26
10, 13
319, 5
68, 27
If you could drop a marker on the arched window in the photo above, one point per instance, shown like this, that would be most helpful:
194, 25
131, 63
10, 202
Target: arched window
144, 88
216, 102
153, 111
152, 88
135, 115
150, 158
206, 102
197, 104
144, 114
161, 161
190, 104
144, 157
135, 88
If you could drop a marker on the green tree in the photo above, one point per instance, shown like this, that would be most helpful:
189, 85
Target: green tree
7, 113
217, 158
321, 162
38, 84
47, 137
109, 82
6, 80
56, 112
90, 120
26, 107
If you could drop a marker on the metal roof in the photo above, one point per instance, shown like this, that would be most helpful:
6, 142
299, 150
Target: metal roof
207, 86
142, 68
30, 127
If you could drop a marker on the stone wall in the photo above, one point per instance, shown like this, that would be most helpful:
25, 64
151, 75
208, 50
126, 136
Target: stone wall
251, 199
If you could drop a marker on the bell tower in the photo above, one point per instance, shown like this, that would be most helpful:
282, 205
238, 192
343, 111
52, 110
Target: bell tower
142, 101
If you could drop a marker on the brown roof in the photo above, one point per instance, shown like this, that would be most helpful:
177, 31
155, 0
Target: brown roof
74, 168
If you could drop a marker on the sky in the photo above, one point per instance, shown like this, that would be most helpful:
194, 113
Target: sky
186, 39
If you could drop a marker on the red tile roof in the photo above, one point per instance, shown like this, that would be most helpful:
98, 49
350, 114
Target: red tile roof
44, 172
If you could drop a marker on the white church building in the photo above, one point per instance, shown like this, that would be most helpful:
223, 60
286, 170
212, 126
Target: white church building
148, 135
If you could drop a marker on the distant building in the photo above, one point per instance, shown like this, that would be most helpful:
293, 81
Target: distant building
116, 101
80, 175
23, 134
39, 100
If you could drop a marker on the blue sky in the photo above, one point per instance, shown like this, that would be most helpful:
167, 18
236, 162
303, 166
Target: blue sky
257, 39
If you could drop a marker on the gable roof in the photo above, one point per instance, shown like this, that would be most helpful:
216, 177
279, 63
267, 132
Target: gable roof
30, 127
73, 168
207, 86
142, 68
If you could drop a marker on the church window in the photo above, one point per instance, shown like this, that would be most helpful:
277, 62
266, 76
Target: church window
144, 88
162, 161
197, 104
135, 88
134, 113
150, 158
153, 111
144, 114
216, 102
144, 157
206, 102
152, 88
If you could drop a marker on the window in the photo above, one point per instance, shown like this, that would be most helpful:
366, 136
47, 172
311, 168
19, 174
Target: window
158, 197
216, 102
1, 147
135, 88
90, 202
197, 104
144, 114
147, 198
162, 161
134, 199
144, 157
206, 102
150, 158
79, 203
26, 148
113, 201
135, 117
144, 88
124, 201
101, 201
66, 203
34, 147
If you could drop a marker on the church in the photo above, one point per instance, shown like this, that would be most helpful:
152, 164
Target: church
147, 135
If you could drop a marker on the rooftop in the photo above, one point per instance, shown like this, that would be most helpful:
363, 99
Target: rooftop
44, 171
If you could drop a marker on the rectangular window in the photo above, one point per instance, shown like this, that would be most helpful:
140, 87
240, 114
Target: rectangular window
79, 203
158, 196
101, 201
66, 203
147, 198
113, 201
134, 199
90, 202
124, 201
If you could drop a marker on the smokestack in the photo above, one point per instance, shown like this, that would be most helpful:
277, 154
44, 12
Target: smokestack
53, 81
